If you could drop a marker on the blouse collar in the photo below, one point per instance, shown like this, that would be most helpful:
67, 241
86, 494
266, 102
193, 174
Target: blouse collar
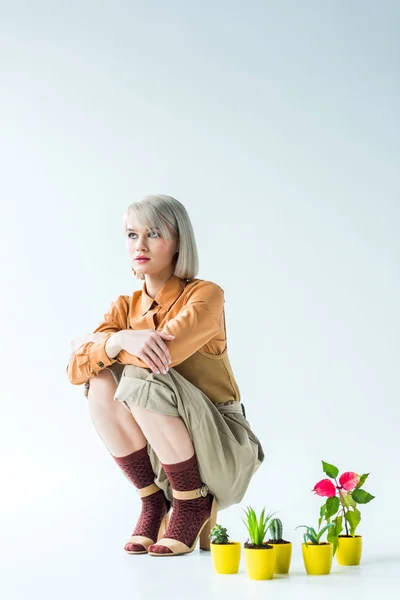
166, 296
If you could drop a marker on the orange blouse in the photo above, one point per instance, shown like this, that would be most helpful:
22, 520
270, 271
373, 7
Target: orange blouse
193, 311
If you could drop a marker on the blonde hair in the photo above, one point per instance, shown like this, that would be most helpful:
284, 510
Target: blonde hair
170, 216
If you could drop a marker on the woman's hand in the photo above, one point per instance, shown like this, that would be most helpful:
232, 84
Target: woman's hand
149, 346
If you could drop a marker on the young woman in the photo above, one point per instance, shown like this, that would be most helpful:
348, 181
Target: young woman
160, 387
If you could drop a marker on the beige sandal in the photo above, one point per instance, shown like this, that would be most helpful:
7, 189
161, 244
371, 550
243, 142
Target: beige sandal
178, 547
140, 539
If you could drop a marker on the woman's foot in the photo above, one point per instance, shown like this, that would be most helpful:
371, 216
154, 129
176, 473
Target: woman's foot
154, 508
137, 468
188, 514
185, 522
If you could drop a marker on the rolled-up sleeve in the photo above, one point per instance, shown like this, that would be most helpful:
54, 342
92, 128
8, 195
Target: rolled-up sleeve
195, 324
91, 357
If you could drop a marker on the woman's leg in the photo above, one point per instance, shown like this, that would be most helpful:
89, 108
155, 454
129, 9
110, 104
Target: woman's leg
168, 435
172, 443
128, 446
115, 424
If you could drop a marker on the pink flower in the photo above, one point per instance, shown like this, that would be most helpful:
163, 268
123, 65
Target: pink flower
325, 487
349, 480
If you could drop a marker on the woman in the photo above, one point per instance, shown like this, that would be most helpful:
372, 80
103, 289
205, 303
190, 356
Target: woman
160, 387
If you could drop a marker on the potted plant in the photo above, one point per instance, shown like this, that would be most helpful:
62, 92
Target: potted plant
283, 548
343, 496
259, 557
317, 555
225, 554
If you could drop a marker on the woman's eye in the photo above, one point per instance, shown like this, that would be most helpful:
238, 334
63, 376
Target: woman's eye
132, 233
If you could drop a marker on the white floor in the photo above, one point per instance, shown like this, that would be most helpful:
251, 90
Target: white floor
60, 541
83, 561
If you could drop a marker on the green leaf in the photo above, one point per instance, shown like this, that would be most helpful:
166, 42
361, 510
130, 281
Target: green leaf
308, 534
347, 499
334, 532
361, 496
332, 506
251, 524
261, 520
257, 528
320, 534
330, 470
332, 538
362, 480
312, 531
339, 525
353, 517
322, 511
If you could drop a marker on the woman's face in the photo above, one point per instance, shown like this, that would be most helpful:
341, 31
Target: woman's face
152, 245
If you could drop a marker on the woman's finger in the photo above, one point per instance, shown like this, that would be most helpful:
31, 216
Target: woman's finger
164, 348
156, 355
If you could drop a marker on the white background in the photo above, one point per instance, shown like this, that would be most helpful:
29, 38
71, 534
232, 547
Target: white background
277, 125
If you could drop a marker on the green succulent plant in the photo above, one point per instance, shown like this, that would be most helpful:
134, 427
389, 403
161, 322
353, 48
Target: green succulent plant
276, 530
219, 535
312, 535
257, 529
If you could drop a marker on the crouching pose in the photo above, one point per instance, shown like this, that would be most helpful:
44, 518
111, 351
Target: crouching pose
160, 387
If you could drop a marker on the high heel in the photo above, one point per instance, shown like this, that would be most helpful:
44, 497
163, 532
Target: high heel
141, 539
205, 532
178, 547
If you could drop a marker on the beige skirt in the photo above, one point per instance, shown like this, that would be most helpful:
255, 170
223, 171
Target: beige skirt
228, 452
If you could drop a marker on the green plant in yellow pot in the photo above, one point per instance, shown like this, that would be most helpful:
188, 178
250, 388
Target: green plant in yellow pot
343, 495
224, 553
283, 548
317, 555
259, 557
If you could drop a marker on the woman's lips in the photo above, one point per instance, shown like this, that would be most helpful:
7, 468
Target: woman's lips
142, 260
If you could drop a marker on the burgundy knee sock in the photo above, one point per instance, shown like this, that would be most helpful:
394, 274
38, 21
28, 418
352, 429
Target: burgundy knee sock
137, 467
187, 515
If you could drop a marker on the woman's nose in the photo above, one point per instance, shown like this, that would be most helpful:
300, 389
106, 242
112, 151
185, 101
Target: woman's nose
140, 244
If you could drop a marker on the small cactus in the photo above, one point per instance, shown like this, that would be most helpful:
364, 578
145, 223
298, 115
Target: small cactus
219, 535
276, 529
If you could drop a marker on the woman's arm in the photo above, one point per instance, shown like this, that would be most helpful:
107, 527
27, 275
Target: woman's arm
89, 355
196, 324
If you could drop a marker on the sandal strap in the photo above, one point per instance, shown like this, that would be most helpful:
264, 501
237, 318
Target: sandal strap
191, 494
176, 546
149, 489
140, 539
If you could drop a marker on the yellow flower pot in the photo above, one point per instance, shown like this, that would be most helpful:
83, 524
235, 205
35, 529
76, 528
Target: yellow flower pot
317, 558
349, 550
260, 563
283, 556
226, 557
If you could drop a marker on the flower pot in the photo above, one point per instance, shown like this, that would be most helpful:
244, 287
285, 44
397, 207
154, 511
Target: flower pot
260, 562
226, 557
283, 555
349, 550
317, 558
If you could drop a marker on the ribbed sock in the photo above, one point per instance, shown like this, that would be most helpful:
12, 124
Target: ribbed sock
187, 515
137, 467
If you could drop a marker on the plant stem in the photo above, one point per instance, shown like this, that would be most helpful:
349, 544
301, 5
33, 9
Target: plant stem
344, 517
338, 487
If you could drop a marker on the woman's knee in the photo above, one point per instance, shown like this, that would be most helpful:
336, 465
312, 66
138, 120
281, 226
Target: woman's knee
101, 390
